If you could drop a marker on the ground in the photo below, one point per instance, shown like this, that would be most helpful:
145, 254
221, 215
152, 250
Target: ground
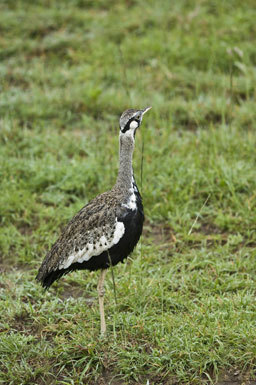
185, 311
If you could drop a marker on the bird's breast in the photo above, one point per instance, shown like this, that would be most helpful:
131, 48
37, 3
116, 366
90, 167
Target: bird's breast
130, 202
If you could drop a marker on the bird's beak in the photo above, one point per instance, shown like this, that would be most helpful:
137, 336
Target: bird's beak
145, 110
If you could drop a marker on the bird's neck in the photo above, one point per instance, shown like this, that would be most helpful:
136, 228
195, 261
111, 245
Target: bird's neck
125, 173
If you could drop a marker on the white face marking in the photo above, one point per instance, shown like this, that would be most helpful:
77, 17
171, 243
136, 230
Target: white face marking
91, 250
131, 132
134, 125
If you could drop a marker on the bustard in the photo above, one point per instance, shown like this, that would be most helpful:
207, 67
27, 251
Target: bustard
107, 229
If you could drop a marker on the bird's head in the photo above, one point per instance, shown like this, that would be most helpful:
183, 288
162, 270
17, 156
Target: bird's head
130, 120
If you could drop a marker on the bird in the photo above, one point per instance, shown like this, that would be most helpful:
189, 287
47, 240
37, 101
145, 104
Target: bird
106, 230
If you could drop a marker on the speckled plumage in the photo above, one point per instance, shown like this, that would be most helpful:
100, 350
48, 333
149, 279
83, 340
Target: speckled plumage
97, 218
107, 227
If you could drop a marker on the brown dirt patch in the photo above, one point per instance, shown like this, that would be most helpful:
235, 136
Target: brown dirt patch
22, 323
161, 232
210, 228
235, 378
73, 290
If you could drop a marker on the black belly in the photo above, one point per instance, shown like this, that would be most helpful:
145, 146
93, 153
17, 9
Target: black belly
133, 223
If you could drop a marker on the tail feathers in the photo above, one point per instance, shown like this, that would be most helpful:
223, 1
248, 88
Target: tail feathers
47, 278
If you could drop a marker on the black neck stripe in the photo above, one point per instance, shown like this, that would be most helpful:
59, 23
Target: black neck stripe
127, 126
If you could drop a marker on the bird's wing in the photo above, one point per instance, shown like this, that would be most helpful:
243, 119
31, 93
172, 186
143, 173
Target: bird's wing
93, 230
92, 243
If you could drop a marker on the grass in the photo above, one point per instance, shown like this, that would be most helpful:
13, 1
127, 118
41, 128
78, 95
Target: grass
186, 298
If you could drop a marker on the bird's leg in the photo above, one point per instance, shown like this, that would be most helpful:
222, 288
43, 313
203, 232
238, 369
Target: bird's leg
101, 292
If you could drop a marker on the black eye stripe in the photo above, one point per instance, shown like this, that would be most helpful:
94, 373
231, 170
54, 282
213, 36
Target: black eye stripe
127, 126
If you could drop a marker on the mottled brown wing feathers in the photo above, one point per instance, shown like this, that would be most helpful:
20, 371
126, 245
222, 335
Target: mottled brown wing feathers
93, 227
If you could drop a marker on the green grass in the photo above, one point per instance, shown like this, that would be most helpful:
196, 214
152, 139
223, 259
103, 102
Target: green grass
186, 302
